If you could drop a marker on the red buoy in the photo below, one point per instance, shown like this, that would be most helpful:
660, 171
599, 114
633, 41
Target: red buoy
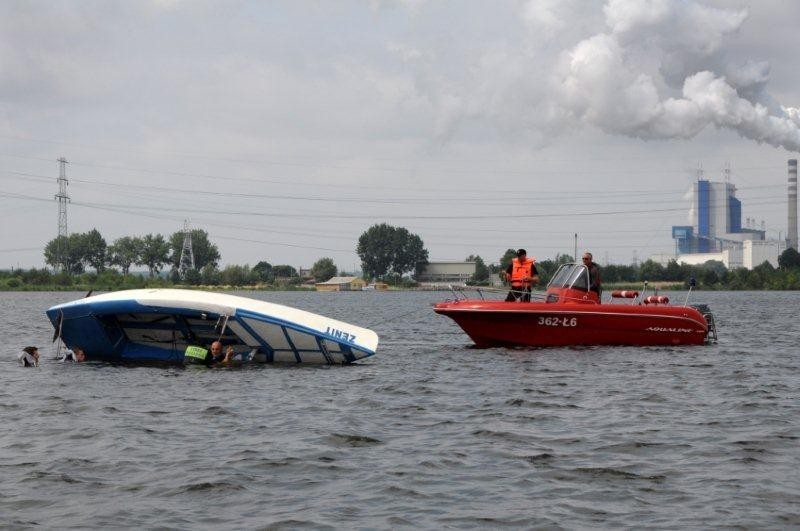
624, 294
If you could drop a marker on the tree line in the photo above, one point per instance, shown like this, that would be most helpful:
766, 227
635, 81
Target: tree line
388, 253
710, 275
75, 255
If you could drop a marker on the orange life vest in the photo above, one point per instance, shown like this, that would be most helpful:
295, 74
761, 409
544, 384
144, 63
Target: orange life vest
519, 270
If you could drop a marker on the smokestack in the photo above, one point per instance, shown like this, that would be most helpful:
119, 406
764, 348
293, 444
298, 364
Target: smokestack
792, 204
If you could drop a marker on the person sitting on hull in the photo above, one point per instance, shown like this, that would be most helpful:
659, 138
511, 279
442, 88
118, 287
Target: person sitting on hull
29, 357
521, 274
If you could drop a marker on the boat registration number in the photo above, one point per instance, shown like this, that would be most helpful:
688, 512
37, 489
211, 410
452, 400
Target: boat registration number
558, 321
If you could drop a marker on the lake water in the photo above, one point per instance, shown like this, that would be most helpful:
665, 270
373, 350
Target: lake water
428, 433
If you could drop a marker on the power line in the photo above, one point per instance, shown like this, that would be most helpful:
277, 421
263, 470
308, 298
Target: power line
205, 156
295, 182
402, 201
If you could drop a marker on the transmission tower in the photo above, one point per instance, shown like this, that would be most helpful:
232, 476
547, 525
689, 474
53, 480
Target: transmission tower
63, 199
187, 254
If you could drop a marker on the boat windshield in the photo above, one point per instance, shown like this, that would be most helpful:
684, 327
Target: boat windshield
574, 276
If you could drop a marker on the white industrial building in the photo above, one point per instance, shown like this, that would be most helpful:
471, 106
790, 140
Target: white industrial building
749, 254
447, 272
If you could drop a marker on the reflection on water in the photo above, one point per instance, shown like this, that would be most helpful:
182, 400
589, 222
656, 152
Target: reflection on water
429, 432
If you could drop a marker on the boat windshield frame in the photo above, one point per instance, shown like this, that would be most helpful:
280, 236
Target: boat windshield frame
571, 276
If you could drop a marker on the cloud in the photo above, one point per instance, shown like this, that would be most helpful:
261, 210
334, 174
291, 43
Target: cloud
655, 69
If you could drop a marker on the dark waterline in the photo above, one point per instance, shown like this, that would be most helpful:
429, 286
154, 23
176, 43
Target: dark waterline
430, 432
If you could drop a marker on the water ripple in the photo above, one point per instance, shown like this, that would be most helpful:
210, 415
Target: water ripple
430, 433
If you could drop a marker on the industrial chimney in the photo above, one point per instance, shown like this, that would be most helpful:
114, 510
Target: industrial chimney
792, 238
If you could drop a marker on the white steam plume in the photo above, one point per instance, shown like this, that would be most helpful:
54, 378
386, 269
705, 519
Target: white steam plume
656, 69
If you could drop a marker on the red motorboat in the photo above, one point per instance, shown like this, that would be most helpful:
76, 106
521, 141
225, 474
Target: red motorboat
570, 314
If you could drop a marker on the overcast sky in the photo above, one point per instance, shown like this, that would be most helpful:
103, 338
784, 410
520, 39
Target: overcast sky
286, 129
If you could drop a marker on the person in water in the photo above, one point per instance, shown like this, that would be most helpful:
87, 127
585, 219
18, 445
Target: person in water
75, 354
521, 274
216, 353
29, 357
594, 273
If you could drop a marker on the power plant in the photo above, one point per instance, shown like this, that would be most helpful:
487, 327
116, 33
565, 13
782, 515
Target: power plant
717, 232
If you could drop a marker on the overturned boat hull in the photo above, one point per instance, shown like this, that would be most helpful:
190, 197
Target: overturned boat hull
160, 324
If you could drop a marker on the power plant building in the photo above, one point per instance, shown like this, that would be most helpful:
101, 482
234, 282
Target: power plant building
717, 233
716, 221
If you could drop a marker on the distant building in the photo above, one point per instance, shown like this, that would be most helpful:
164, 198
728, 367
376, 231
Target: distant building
731, 258
716, 232
447, 272
749, 254
756, 253
341, 284
716, 220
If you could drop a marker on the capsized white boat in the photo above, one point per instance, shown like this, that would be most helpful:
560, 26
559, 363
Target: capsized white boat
161, 324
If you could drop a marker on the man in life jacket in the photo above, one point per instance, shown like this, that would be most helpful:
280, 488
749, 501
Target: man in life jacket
522, 275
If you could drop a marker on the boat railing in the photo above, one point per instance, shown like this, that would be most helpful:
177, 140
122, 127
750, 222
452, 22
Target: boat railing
460, 292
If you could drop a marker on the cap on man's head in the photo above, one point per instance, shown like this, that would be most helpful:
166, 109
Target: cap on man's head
30, 350
520, 252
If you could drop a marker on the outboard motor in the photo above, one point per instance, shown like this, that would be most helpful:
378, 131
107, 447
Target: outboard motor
705, 311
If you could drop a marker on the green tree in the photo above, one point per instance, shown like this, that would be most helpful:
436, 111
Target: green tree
506, 259
154, 253
209, 275
650, 270
264, 271
386, 250
203, 250
236, 275
37, 277
789, 259
323, 269
285, 271
673, 271
94, 249
66, 253
481, 271
193, 277
124, 252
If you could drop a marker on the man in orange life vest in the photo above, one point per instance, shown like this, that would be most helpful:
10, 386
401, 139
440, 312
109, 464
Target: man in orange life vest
522, 275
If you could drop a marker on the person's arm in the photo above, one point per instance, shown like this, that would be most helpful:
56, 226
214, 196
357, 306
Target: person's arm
229, 354
534, 275
508, 271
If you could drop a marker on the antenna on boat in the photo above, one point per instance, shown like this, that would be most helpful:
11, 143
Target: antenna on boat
692, 284
575, 256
